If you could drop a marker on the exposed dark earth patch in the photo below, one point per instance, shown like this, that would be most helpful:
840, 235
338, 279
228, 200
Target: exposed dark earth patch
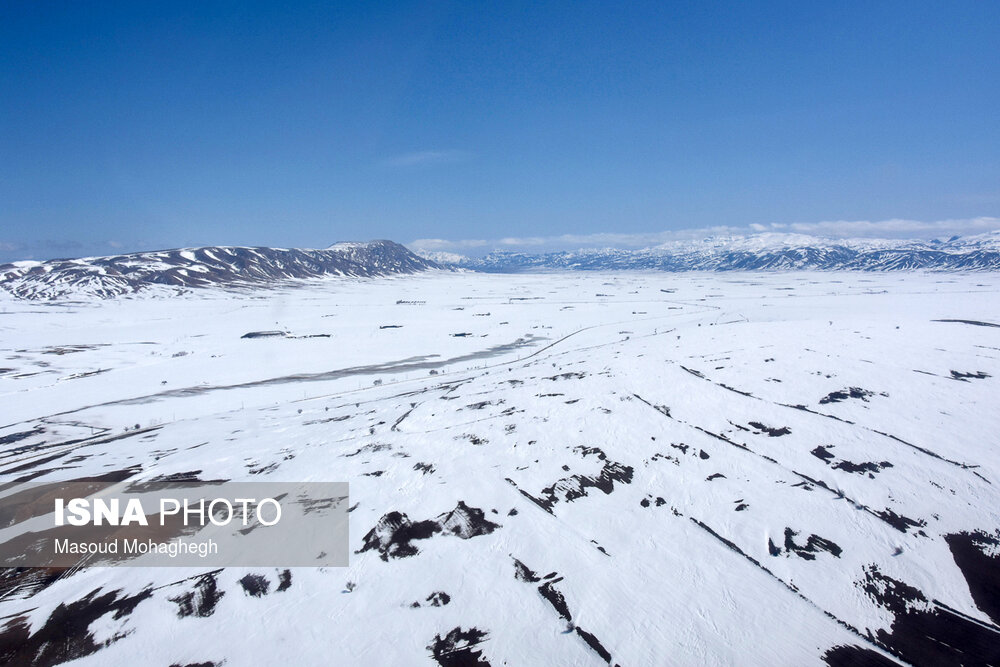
35, 501
326, 421
466, 522
395, 426
33, 464
27, 580
177, 480
202, 600
773, 432
566, 376
662, 409
594, 644
972, 322
925, 632
371, 449
899, 522
320, 505
99, 371
555, 598
65, 635
458, 648
435, 599
977, 555
571, 488
965, 377
21, 435
868, 467
257, 469
523, 573
659, 501
850, 392
733, 389
255, 585
701, 375
799, 406
664, 457
482, 404
394, 532
814, 544
856, 656
823, 453
60, 350
264, 334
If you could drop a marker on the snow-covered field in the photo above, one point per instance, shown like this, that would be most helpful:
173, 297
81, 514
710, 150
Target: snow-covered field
554, 469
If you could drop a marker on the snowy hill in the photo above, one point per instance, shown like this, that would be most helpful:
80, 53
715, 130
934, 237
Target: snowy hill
201, 267
762, 252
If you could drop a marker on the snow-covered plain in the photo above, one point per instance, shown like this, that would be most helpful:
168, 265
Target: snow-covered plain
557, 469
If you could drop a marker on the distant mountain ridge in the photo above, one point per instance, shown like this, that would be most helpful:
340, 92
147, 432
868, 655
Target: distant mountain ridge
761, 252
235, 266
106, 277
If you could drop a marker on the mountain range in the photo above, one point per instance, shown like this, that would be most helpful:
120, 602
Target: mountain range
200, 267
760, 252
233, 266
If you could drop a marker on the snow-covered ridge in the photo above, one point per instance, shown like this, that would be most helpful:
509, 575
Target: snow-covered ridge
200, 267
759, 252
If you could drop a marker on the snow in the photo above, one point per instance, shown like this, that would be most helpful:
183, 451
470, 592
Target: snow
114, 276
563, 378
758, 252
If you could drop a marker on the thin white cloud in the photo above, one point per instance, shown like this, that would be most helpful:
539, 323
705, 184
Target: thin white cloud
896, 228
423, 158
527, 241
444, 244
833, 229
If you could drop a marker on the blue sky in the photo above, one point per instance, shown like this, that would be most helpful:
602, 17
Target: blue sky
139, 125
